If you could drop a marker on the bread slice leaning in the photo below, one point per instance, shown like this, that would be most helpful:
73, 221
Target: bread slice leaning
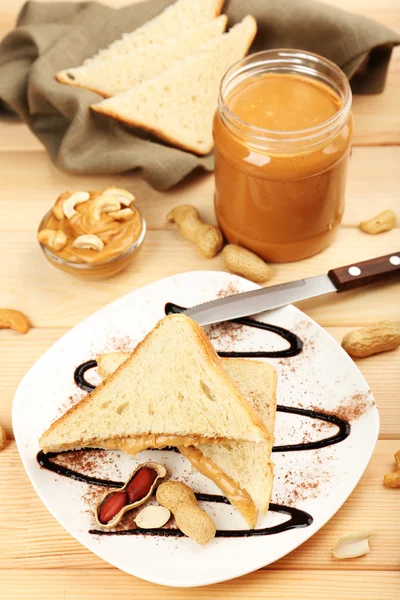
178, 105
245, 462
169, 24
181, 15
173, 384
123, 71
242, 470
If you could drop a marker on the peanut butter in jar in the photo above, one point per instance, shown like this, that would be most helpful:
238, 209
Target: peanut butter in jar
282, 133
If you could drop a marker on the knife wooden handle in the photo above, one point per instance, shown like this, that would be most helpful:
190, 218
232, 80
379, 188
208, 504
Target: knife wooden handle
368, 271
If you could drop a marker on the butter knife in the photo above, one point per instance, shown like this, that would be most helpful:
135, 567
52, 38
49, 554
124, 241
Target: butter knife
337, 280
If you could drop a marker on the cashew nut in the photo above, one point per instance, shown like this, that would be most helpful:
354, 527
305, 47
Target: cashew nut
123, 196
208, 238
385, 221
88, 242
56, 240
392, 480
3, 437
122, 215
73, 200
352, 545
105, 204
13, 319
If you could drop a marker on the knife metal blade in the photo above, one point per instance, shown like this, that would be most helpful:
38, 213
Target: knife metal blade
374, 270
256, 301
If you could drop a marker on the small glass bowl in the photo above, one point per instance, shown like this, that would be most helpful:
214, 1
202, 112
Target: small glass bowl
102, 270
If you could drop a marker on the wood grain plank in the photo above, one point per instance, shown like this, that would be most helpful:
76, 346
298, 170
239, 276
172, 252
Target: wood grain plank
36, 540
23, 204
313, 585
52, 298
18, 353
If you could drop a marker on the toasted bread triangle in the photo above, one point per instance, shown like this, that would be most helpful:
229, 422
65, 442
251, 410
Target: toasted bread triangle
172, 384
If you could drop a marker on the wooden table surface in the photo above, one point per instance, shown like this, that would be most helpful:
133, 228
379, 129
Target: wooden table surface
38, 559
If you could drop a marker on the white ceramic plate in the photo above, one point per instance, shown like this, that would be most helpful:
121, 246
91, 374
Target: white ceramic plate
317, 481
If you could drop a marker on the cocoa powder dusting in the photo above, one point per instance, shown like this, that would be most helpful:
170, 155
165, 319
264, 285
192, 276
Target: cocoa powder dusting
302, 329
352, 407
114, 344
91, 496
228, 290
301, 484
90, 462
69, 403
228, 332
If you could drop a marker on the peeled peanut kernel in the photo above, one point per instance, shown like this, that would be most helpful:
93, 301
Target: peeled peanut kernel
112, 506
397, 458
123, 196
3, 439
352, 545
122, 215
88, 242
208, 238
375, 338
53, 239
105, 204
385, 221
242, 262
152, 517
14, 319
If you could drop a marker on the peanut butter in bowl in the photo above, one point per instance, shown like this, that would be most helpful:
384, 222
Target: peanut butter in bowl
92, 234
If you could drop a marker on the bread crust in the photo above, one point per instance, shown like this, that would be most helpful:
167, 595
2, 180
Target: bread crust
213, 360
218, 7
153, 130
64, 79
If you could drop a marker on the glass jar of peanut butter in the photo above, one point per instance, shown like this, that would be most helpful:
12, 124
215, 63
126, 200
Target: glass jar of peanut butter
282, 134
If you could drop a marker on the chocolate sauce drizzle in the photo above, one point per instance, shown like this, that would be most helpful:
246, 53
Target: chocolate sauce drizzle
298, 518
295, 343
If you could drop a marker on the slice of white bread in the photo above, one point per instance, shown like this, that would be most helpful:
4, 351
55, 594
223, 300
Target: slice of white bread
237, 496
178, 105
175, 19
236, 467
245, 462
173, 383
124, 71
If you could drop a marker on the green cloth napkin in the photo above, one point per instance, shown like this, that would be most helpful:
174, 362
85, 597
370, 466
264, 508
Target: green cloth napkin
56, 35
